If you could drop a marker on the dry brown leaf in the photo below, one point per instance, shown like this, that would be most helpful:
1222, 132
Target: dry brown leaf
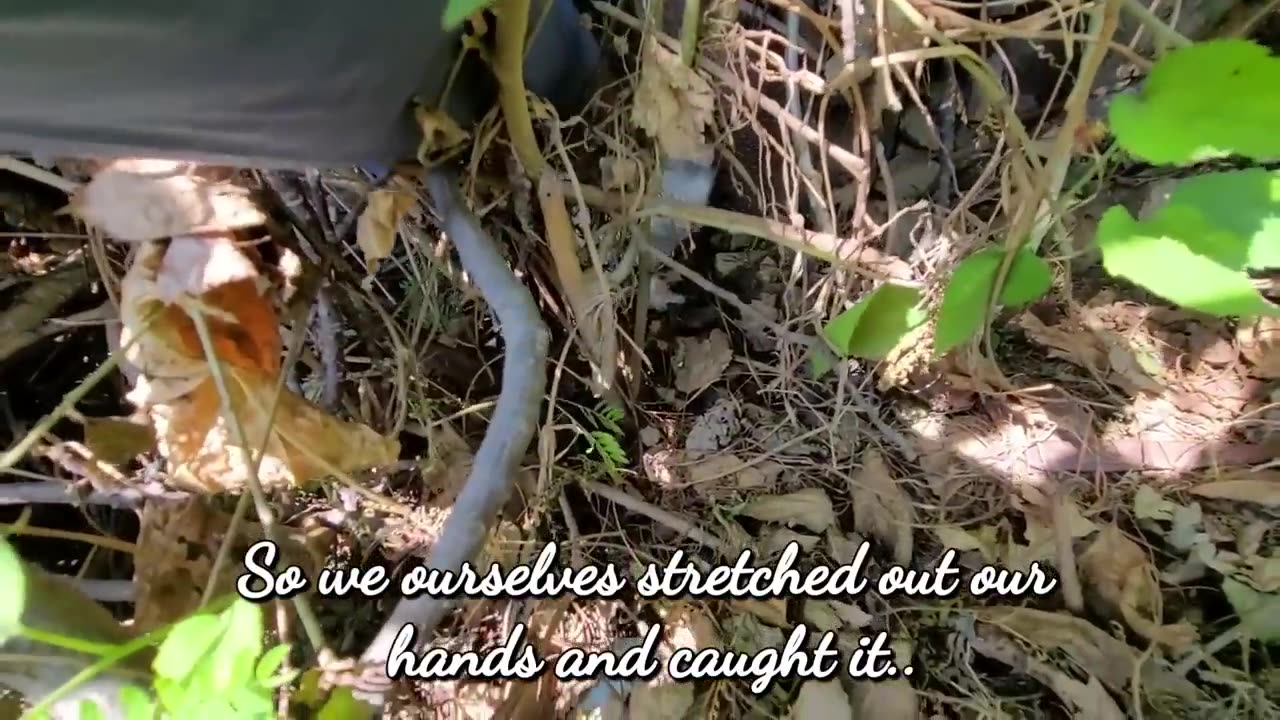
439, 133
779, 539
178, 392
820, 700
707, 472
810, 508
702, 361
1092, 701
888, 699
379, 224
673, 104
141, 199
1126, 361
1120, 573
177, 544
1092, 649
1262, 488
1259, 342
881, 507
984, 540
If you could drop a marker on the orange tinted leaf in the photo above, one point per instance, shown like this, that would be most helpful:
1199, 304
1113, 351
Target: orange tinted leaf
203, 449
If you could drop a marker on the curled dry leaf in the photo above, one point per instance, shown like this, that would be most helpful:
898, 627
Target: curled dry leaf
673, 103
983, 540
177, 543
440, 133
1126, 359
820, 700
1259, 342
702, 361
1092, 649
177, 390
1120, 573
136, 200
810, 508
890, 699
379, 224
881, 507
1262, 488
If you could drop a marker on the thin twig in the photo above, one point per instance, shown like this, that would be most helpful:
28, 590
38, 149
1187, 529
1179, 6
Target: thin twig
266, 516
671, 520
52, 492
40, 175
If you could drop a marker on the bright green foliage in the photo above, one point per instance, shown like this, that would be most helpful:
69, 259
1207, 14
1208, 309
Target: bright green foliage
1207, 100
1181, 257
605, 441
456, 11
13, 578
213, 666
1243, 202
964, 303
875, 324
1210, 99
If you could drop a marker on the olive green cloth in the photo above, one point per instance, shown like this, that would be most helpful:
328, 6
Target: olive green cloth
261, 83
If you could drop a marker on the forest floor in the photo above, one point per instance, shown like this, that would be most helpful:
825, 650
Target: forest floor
692, 404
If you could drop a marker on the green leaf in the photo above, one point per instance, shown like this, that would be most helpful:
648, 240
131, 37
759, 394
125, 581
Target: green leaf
456, 11
1181, 258
137, 703
342, 705
964, 302
90, 710
1029, 279
1259, 611
233, 659
253, 703
821, 360
1243, 202
185, 645
270, 661
13, 577
875, 324
1206, 100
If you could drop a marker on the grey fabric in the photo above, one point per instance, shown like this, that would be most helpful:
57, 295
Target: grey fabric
265, 83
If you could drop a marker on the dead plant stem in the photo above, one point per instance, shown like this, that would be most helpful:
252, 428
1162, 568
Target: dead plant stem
1166, 35
310, 622
1029, 227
